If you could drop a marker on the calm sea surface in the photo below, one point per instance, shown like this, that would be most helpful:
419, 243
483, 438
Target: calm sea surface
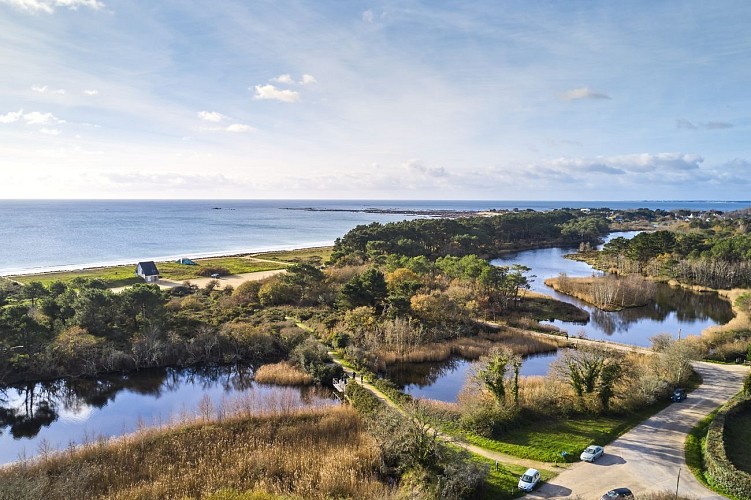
43, 235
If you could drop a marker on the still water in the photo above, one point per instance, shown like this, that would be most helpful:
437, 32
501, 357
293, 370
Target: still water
674, 311
444, 380
53, 415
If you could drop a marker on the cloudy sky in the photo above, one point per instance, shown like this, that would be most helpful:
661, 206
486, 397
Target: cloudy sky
503, 100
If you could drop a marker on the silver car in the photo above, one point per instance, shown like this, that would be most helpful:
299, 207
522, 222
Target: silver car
592, 453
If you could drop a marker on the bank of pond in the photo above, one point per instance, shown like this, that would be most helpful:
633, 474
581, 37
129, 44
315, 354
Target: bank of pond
53, 415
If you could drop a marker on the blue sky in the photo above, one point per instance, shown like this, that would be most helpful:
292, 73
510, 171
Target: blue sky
576, 100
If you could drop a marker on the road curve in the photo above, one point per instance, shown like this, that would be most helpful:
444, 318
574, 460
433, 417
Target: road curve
649, 457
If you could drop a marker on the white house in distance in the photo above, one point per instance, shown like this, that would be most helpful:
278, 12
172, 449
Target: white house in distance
148, 271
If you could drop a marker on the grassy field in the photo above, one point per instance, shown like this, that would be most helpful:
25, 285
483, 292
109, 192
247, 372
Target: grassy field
694, 457
311, 454
502, 482
546, 440
115, 276
315, 255
737, 437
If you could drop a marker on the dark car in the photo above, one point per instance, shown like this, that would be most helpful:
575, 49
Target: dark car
617, 493
678, 395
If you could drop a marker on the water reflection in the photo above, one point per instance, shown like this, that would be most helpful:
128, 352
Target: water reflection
61, 412
444, 380
673, 311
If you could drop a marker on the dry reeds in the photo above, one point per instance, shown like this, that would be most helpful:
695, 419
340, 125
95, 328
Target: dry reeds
312, 453
282, 374
471, 347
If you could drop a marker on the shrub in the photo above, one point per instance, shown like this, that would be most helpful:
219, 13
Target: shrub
209, 270
720, 470
362, 399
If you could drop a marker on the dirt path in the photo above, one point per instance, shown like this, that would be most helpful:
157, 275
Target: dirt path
649, 457
492, 455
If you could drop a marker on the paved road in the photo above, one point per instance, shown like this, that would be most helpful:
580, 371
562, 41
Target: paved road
648, 457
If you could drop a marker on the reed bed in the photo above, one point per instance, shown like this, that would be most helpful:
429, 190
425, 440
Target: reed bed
471, 348
311, 453
282, 374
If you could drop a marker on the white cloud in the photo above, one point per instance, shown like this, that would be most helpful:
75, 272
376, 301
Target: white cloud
211, 116
270, 92
91, 92
49, 131
367, 16
174, 180
583, 93
11, 116
37, 118
417, 167
49, 6
239, 127
44, 88
308, 79
286, 79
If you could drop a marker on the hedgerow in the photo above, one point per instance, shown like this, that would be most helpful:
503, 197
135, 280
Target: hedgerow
721, 472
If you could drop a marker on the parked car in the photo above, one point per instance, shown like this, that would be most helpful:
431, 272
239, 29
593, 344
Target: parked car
529, 480
618, 493
679, 394
592, 453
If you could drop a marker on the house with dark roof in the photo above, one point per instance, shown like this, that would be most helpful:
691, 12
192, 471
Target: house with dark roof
148, 271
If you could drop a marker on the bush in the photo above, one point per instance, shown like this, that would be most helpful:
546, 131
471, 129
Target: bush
362, 399
720, 470
208, 271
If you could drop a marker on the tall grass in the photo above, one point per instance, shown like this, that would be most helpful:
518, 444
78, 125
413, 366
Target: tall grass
282, 374
471, 348
311, 453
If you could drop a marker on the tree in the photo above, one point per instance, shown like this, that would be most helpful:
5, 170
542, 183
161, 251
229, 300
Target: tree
493, 375
33, 291
143, 304
581, 368
365, 289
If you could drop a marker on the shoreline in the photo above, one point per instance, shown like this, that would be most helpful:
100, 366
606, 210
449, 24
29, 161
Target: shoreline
64, 268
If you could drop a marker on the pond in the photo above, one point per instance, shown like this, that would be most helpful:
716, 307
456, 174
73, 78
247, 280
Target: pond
53, 415
444, 380
675, 311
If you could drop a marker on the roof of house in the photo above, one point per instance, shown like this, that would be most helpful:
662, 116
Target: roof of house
148, 268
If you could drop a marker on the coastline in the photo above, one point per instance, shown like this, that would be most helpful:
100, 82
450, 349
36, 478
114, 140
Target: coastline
89, 266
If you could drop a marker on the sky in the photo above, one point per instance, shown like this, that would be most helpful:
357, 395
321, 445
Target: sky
350, 99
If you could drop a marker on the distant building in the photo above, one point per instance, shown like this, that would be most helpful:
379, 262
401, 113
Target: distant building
148, 271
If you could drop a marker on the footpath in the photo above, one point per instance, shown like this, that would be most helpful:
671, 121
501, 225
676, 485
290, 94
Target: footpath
477, 450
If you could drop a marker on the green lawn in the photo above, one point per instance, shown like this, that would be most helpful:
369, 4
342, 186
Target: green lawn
737, 438
115, 276
546, 440
501, 483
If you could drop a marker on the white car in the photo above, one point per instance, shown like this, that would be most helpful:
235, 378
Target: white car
592, 453
529, 480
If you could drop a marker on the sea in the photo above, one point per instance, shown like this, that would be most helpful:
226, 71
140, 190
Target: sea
50, 235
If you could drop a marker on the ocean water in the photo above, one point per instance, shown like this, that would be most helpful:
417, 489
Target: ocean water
45, 235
